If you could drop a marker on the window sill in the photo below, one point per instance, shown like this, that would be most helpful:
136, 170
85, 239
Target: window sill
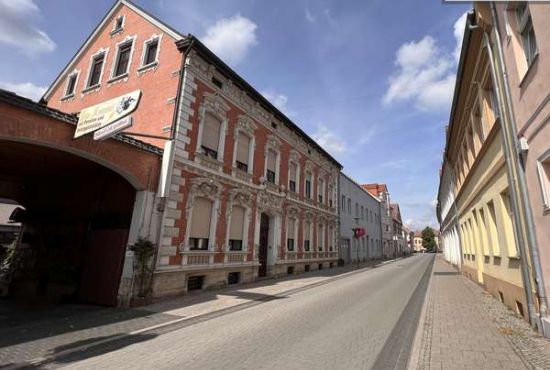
148, 67
116, 32
514, 258
91, 88
68, 97
529, 69
118, 78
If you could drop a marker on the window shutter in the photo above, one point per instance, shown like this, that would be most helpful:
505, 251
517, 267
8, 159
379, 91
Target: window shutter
271, 158
237, 223
293, 170
290, 228
211, 132
243, 148
200, 224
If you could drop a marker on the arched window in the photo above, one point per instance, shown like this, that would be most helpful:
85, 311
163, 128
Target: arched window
211, 136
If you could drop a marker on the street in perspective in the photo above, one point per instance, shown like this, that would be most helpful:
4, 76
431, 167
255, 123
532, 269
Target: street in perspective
274, 185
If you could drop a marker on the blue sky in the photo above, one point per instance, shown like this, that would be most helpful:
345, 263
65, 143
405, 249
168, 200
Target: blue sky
371, 81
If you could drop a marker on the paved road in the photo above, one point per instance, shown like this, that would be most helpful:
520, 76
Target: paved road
361, 321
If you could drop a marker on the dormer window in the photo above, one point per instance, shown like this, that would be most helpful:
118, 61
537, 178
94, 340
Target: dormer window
119, 24
217, 82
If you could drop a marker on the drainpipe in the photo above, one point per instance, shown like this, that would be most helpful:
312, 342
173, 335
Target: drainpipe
508, 158
533, 249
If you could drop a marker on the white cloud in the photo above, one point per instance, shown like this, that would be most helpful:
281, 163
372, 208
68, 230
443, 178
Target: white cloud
278, 100
16, 27
310, 17
25, 89
231, 38
329, 140
401, 163
425, 72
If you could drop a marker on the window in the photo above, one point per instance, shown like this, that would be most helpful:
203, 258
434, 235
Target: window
236, 229
320, 237
151, 49
290, 234
71, 84
217, 82
308, 185
343, 203
543, 165
243, 150
331, 238
123, 59
371, 216
525, 28
307, 235
508, 217
200, 224
292, 177
349, 206
274, 125
330, 195
271, 165
493, 231
211, 136
493, 102
356, 209
362, 213
96, 70
119, 23
321, 190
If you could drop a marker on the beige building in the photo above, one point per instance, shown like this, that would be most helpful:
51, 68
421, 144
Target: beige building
475, 151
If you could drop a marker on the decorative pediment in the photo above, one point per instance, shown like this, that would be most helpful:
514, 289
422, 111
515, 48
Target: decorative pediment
266, 199
216, 105
240, 197
309, 166
292, 211
273, 142
204, 187
294, 156
321, 219
333, 222
245, 124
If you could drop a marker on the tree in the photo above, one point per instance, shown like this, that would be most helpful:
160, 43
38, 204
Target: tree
428, 239
143, 251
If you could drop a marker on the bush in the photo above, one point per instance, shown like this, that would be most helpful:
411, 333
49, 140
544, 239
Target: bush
341, 262
143, 250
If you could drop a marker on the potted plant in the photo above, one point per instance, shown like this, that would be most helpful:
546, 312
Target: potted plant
143, 250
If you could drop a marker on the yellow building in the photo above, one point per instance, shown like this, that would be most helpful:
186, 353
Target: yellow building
475, 152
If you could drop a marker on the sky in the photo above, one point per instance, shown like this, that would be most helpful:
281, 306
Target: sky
370, 81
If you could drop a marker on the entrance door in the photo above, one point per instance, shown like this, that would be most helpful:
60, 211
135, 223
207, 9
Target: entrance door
264, 240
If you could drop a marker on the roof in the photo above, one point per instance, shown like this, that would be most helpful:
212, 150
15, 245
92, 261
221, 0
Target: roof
395, 212
375, 189
359, 186
5, 213
12, 98
151, 18
192, 42
418, 234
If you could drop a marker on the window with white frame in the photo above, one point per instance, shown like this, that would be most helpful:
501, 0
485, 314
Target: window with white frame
290, 239
507, 218
320, 190
72, 80
343, 203
543, 165
525, 28
236, 230
119, 24
292, 177
331, 238
349, 206
362, 213
320, 237
243, 152
211, 136
199, 233
122, 58
330, 196
150, 52
271, 169
96, 70
308, 184
307, 236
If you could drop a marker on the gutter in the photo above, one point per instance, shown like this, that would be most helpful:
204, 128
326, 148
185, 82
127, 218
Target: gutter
532, 248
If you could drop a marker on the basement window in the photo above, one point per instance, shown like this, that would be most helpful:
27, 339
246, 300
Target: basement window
195, 283
233, 278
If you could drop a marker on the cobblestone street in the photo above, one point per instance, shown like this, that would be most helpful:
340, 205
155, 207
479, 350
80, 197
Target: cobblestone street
467, 328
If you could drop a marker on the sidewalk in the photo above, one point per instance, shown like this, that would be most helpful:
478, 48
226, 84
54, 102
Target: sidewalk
34, 334
466, 328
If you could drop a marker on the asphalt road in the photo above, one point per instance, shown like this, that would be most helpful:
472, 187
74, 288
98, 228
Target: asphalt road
365, 320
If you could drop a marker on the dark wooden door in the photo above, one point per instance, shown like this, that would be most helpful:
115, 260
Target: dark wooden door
264, 238
101, 275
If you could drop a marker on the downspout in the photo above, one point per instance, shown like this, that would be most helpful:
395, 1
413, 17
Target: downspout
533, 249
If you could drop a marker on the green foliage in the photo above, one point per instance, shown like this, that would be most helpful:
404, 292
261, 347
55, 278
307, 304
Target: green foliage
8, 258
143, 250
428, 238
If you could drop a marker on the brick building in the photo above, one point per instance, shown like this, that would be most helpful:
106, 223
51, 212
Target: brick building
243, 191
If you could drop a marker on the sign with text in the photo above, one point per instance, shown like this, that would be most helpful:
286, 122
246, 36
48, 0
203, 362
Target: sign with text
115, 127
102, 114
